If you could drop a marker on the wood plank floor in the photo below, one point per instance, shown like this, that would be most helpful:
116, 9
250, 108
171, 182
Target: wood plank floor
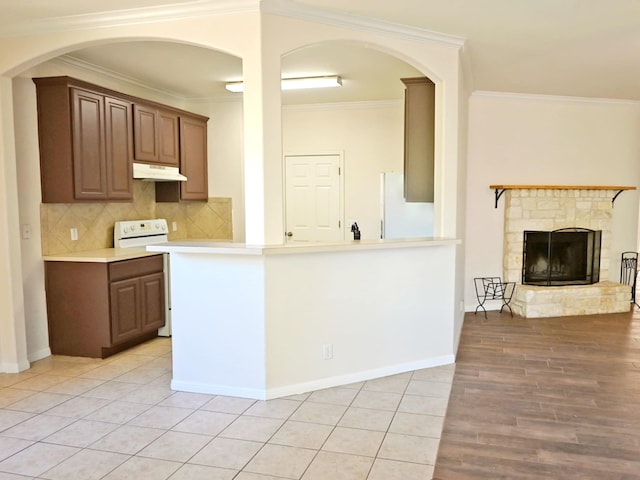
552, 398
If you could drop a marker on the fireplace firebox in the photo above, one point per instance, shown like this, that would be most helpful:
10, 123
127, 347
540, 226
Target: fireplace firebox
569, 256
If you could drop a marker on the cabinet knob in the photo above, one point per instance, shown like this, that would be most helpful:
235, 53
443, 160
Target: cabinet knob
289, 234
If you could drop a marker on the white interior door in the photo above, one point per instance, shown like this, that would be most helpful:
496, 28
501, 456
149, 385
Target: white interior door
313, 198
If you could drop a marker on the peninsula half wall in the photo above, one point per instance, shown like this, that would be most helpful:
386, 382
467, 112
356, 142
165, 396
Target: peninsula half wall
269, 321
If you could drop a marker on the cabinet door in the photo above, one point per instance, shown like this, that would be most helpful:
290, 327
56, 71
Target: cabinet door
78, 309
119, 149
55, 140
419, 139
193, 158
152, 311
89, 169
156, 136
125, 310
168, 139
145, 131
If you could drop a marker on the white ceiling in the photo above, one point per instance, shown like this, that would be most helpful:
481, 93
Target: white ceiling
196, 72
588, 48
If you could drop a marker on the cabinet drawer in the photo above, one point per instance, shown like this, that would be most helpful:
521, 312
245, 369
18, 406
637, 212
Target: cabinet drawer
135, 268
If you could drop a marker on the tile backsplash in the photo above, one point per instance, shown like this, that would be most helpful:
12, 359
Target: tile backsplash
94, 222
207, 221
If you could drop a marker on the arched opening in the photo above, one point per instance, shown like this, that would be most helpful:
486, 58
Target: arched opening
180, 75
357, 129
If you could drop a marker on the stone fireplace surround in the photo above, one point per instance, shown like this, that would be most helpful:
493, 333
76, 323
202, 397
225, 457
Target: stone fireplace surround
548, 207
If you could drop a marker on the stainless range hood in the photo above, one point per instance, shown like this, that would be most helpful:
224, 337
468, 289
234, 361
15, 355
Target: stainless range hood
157, 173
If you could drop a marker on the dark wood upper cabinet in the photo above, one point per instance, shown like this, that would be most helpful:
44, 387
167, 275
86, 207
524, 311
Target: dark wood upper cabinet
89, 137
119, 149
88, 133
193, 158
156, 136
145, 124
85, 139
193, 163
419, 124
169, 140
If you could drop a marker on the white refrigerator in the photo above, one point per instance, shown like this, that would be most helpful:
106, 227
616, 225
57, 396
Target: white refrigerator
401, 219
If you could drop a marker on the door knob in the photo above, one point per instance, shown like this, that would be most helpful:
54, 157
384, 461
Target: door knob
289, 234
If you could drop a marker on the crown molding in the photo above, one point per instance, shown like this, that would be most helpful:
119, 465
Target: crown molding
535, 97
199, 8
131, 16
292, 9
69, 60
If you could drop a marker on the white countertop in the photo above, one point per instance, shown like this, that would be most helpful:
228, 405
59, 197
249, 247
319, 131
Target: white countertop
104, 255
230, 248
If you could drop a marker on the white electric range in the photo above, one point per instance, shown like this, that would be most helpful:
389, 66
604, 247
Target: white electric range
138, 234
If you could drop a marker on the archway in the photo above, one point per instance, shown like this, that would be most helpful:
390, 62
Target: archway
362, 121
94, 64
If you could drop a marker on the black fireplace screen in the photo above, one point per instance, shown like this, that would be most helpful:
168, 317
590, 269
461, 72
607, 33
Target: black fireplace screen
569, 256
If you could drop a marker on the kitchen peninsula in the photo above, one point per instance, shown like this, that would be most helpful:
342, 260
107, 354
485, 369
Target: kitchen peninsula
269, 321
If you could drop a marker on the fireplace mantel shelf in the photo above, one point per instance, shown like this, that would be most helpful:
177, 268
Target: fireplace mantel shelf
500, 189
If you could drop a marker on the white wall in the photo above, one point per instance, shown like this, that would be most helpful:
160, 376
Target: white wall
538, 140
370, 135
377, 308
13, 343
225, 168
264, 316
28, 172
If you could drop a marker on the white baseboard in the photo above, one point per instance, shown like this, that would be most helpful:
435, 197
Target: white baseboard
11, 367
294, 389
357, 377
194, 387
39, 355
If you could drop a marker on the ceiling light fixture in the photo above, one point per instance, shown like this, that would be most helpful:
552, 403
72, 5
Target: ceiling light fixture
295, 83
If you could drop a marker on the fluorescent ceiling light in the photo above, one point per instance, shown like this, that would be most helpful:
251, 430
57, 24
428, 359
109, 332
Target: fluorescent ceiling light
295, 83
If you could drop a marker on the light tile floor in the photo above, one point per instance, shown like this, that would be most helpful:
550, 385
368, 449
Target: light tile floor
71, 418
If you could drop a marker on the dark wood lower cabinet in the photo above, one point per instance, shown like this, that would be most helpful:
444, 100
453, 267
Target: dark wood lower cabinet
136, 306
153, 311
97, 309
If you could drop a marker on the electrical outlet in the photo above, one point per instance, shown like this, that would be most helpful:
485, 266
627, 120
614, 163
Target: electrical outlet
327, 351
74, 234
174, 226
26, 231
